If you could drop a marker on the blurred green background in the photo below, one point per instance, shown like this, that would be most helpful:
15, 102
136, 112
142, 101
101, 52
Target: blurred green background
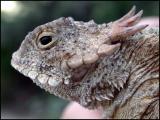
20, 98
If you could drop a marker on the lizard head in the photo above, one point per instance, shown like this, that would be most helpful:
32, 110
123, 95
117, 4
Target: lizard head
60, 55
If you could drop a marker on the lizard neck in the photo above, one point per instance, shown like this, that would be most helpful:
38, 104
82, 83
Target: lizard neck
141, 53
101, 86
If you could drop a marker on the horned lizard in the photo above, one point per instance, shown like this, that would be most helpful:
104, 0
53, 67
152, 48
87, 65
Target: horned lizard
114, 66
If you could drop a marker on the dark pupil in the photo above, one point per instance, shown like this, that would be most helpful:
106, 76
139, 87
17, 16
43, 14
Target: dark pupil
45, 40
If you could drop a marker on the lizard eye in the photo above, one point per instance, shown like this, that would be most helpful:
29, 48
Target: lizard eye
46, 40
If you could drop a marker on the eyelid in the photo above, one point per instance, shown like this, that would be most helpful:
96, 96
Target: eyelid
46, 33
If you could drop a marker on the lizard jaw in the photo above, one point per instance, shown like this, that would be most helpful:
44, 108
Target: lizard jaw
80, 65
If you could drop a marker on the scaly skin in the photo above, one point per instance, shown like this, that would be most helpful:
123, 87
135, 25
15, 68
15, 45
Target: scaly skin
114, 66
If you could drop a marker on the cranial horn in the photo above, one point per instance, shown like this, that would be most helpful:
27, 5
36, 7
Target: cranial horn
126, 26
128, 15
105, 49
89, 58
134, 29
133, 20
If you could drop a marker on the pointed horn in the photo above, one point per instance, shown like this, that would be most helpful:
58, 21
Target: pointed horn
120, 84
110, 94
98, 98
75, 61
132, 30
105, 49
105, 97
89, 58
133, 20
128, 15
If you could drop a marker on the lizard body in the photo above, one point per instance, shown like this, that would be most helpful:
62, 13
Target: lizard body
112, 65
